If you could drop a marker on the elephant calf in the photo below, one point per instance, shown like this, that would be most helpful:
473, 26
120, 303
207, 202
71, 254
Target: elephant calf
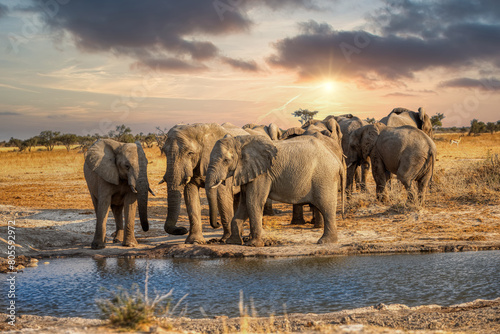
116, 175
405, 151
301, 170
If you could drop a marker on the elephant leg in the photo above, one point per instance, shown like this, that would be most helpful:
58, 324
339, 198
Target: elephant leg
256, 198
118, 214
423, 184
298, 215
130, 209
365, 168
327, 205
350, 180
193, 206
102, 211
357, 177
268, 208
318, 220
225, 203
239, 218
380, 176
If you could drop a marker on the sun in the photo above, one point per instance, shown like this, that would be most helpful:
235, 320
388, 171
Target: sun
328, 86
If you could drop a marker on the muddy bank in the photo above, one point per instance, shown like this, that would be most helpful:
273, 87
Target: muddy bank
480, 316
375, 229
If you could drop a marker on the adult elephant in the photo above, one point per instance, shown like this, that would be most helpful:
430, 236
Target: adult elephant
116, 175
331, 129
187, 150
271, 130
405, 151
274, 133
402, 116
297, 171
356, 172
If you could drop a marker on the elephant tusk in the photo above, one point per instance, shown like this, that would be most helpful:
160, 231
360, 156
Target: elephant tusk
349, 166
162, 181
218, 184
188, 179
133, 189
151, 191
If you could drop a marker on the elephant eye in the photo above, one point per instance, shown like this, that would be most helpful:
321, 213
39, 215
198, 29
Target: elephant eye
190, 154
127, 166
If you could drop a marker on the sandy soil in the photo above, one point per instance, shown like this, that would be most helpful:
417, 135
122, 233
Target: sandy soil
480, 316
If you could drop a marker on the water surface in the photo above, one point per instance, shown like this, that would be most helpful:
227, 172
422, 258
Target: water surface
69, 287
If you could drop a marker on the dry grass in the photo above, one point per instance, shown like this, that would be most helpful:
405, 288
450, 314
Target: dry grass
54, 180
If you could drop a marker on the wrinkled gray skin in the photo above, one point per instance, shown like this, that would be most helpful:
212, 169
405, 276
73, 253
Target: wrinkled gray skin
187, 150
402, 116
274, 133
116, 175
348, 124
297, 171
405, 151
329, 128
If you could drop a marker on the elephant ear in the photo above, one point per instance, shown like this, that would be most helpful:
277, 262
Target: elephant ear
273, 131
369, 137
334, 127
101, 159
399, 110
292, 132
426, 122
256, 156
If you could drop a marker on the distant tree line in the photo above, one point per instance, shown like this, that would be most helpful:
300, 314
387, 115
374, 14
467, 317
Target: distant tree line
50, 139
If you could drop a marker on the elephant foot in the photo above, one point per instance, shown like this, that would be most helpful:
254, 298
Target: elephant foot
98, 245
176, 230
130, 243
234, 240
118, 236
318, 223
268, 212
195, 239
225, 237
255, 242
330, 239
298, 221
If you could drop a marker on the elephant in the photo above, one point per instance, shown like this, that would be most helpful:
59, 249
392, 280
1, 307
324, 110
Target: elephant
402, 116
330, 128
300, 170
349, 123
116, 175
271, 130
405, 151
187, 150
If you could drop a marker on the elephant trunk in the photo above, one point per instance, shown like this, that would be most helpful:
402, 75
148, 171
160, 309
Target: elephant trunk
173, 178
212, 207
142, 188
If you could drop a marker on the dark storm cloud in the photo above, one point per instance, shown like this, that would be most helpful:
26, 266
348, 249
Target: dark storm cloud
3, 10
411, 37
484, 83
156, 32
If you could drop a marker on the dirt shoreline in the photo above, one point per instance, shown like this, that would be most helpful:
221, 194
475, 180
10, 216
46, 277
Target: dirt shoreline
480, 316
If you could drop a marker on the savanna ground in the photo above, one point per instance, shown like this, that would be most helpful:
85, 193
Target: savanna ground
46, 194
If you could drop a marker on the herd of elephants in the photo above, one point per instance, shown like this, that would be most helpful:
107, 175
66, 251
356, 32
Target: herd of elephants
243, 169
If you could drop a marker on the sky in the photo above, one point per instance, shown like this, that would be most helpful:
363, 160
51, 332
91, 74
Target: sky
86, 66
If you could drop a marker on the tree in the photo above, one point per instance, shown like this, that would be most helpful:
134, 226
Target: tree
122, 133
436, 120
49, 139
476, 127
497, 126
161, 138
31, 142
304, 114
67, 140
150, 139
370, 120
85, 142
14, 142
491, 127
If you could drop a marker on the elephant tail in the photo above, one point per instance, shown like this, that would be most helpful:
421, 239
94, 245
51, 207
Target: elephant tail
428, 165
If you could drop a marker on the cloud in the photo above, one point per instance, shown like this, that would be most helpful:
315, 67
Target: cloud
399, 94
483, 84
154, 33
405, 38
248, 66
9, 113
3, 10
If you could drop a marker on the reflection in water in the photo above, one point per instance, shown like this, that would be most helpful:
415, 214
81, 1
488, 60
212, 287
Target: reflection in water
69, 287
